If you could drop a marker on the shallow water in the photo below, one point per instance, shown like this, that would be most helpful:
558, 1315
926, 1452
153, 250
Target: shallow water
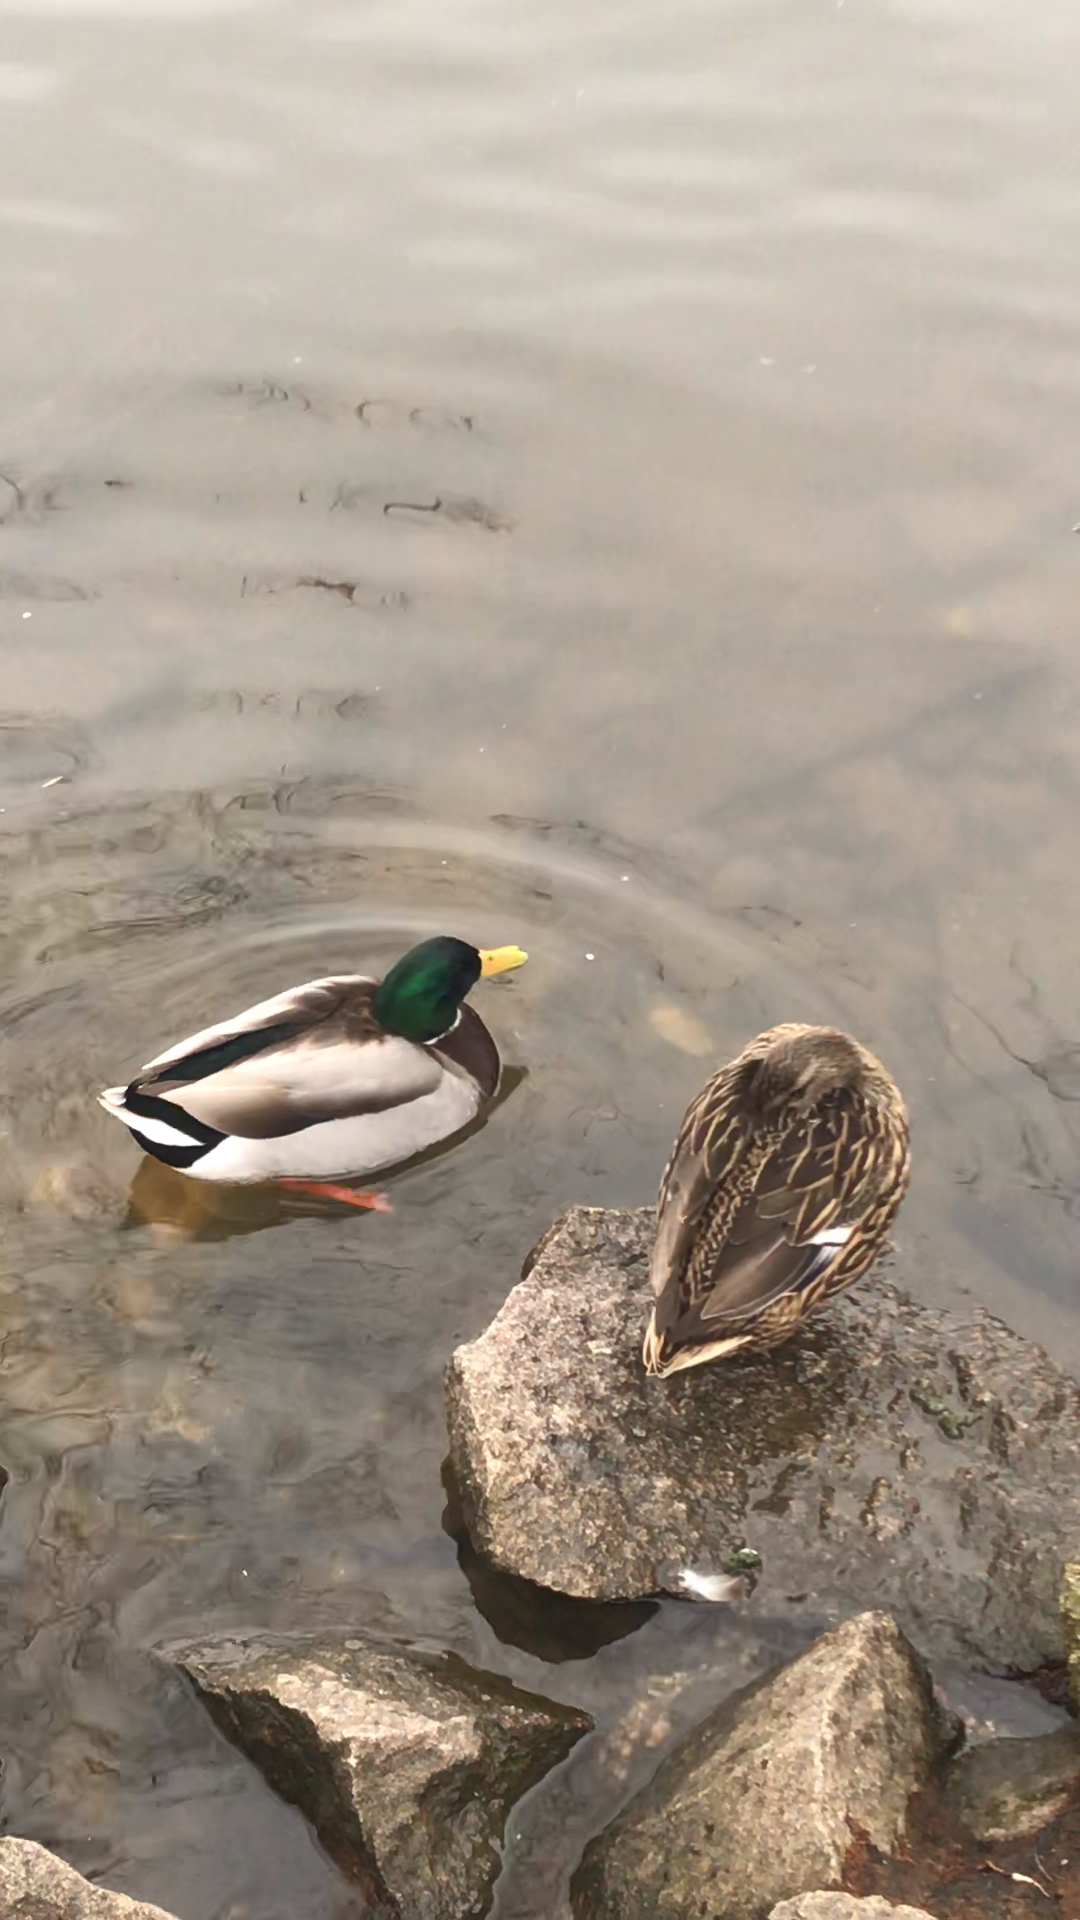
597, 478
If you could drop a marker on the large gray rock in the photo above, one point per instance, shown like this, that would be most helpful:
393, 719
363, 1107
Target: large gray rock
35, 1885
844, 1906
1005, 1789
765, 1797
406, 1764
890, 1455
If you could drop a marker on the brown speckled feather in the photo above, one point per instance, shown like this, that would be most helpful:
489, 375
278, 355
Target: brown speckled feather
803, 1135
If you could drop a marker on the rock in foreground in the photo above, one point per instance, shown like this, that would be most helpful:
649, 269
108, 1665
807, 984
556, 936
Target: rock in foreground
35, 1885
405, 1764
1004, 1789
890, 1455
766, 1796
844, 1906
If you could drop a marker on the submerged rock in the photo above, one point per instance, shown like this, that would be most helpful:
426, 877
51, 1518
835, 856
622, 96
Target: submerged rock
1005, 1789
890, 1455
844, 1906
987, 1706
35, 1885
765, 1798
406, 1764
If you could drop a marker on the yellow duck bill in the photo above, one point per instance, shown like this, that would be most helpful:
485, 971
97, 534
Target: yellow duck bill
500, 960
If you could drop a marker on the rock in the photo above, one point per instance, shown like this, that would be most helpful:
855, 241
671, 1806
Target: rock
890, 1455
989, 1707
35, 1885
766, 1796
406, 1764
1070, 1614
844, 1906
1005, 1789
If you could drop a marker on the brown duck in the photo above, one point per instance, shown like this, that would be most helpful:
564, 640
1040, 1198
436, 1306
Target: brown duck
785, 1178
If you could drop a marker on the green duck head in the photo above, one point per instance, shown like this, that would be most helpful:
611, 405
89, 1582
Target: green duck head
421, 996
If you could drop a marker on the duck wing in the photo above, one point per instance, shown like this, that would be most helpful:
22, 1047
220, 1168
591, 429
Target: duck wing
283, 1016
312, 1054
797, 1218
711, 1152
789, 1217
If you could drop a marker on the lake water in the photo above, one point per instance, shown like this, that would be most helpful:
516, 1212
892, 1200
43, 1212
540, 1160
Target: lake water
603, 478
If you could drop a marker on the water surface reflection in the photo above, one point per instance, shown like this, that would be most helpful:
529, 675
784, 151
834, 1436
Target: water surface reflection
600, 478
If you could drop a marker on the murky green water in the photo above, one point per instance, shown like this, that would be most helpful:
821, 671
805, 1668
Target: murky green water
601, 478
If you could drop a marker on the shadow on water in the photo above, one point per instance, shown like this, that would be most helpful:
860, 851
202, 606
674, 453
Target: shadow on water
550, 1626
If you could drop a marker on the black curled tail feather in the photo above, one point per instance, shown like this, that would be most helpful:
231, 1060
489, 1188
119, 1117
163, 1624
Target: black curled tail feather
201, 1138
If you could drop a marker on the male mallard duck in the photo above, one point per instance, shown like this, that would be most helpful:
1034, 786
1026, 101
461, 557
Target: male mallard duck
786, 1175
337, 1077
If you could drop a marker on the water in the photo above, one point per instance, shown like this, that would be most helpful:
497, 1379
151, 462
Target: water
598, 478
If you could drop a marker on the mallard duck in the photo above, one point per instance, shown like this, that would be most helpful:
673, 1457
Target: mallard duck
785, 1177
335, 1078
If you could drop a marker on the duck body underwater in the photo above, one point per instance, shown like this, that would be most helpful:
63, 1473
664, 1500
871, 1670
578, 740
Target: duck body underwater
330, 1080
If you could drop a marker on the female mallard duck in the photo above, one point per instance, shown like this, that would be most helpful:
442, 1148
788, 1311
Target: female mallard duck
337, 1077
786, 1175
